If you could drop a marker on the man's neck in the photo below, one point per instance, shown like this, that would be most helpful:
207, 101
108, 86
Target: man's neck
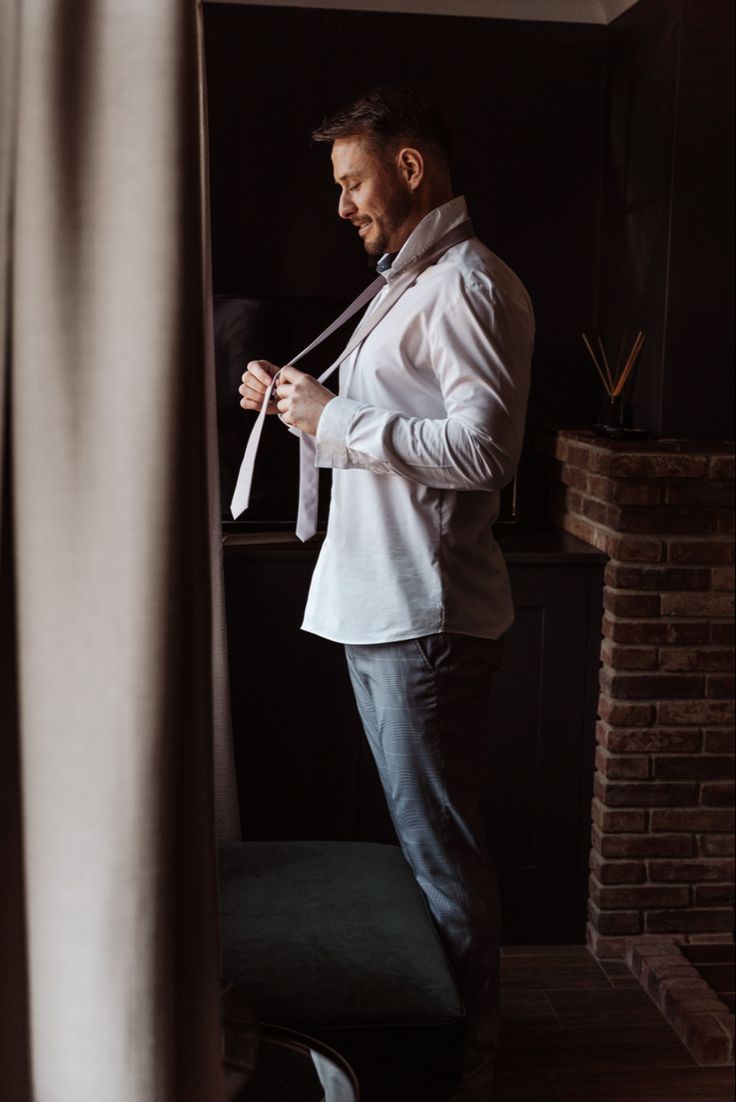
426, 203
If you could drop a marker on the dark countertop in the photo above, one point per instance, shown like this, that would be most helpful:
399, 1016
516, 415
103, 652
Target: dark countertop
549, 546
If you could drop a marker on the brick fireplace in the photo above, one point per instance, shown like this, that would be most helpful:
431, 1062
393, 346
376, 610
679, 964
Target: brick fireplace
663, 810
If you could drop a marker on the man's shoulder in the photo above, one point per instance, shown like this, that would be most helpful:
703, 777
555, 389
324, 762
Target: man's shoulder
471, 268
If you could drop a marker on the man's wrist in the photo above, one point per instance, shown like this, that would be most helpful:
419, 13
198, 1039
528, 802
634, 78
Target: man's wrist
322, 413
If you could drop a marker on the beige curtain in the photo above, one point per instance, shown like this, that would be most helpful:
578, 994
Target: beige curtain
109, 614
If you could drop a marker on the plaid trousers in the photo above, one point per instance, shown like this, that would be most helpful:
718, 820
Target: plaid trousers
424, 705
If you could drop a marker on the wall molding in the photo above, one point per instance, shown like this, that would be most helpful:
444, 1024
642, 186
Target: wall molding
601, 12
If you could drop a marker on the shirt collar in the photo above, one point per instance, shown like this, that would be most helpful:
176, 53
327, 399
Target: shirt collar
429, 230
385, 263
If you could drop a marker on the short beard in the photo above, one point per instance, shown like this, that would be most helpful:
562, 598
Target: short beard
396, 215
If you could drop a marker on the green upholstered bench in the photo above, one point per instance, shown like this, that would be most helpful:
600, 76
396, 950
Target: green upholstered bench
334, 939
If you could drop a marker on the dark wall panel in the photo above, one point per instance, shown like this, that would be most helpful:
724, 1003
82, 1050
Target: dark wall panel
667, 226
642, 73
698, 376
598, 162
305, 769
526, 103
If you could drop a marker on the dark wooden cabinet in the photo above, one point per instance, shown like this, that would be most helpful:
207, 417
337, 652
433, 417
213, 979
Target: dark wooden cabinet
304, 770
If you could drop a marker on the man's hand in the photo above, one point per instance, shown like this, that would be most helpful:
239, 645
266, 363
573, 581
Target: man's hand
301, 399
256, 381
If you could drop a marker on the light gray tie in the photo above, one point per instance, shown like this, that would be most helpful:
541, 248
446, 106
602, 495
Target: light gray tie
241, 496
307, 515
306, 524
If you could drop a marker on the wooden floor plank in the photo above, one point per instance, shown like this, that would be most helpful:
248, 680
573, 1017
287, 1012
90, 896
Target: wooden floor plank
524, 1083
581, 952
604, 1009
625, 1085
526, 1008
553, 971
556, 1048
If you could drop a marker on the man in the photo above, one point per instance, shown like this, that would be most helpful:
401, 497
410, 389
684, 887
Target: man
426, 431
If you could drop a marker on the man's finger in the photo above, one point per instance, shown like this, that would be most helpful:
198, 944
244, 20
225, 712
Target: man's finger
254, 392
289, 374
259, 369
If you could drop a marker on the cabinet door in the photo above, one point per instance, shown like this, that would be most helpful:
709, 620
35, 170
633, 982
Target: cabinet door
305, 771
296, 732
541, 747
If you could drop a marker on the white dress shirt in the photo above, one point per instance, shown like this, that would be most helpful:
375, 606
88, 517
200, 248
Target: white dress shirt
425, 433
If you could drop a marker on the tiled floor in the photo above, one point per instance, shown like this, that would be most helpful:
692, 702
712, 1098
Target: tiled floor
576, 1030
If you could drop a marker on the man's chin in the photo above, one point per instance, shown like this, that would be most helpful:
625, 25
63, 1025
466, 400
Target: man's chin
374, 249
374, 245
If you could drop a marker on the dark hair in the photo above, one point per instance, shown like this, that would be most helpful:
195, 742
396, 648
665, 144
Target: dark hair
389, 116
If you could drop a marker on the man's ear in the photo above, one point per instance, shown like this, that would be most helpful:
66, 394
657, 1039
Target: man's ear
411, 166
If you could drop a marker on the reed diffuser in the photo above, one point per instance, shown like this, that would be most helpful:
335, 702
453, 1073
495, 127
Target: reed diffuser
612, 420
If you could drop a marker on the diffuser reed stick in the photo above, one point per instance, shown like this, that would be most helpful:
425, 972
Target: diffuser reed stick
614, 385
629, 365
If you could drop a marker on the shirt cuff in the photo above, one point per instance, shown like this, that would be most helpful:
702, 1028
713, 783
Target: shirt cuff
332, 431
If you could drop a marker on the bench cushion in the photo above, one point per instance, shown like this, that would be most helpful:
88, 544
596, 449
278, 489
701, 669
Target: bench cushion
334, 939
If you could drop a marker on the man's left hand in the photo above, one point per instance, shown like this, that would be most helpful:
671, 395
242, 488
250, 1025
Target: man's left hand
301, 399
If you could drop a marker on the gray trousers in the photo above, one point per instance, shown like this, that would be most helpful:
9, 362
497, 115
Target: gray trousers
424, 705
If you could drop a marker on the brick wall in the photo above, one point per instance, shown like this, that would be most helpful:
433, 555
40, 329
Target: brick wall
662, 843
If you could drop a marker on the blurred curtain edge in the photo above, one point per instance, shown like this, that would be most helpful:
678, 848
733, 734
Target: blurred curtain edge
116, 764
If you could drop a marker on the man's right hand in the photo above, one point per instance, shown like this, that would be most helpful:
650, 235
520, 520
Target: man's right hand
256, 381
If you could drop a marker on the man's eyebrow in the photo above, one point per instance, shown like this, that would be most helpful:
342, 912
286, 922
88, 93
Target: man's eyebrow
346, 176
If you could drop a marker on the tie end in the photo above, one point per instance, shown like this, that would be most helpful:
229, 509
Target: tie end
305, 534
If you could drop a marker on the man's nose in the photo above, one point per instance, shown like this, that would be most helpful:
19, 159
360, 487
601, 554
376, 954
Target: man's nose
346, 208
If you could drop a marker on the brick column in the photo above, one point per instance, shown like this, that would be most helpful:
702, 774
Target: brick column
662, 847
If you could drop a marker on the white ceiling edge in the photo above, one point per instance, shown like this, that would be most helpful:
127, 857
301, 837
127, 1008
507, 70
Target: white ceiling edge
600, 12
